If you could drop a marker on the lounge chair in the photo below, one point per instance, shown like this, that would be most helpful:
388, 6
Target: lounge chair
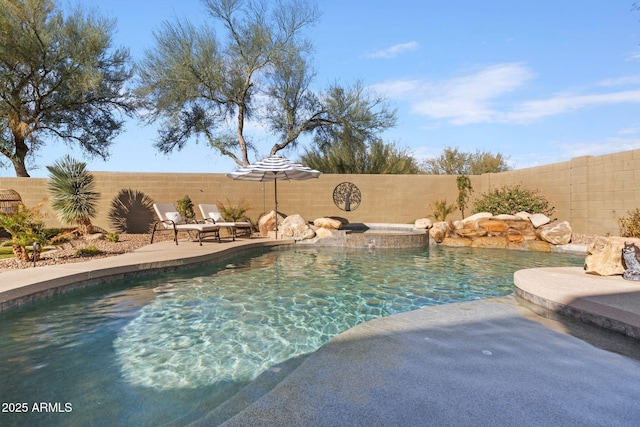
211, 214
170, 219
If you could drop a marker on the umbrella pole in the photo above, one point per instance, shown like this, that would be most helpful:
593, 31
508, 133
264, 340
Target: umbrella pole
275, 195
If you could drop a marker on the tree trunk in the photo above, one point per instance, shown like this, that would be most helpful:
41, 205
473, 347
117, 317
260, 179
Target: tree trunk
19, 156
85, 227
21, 253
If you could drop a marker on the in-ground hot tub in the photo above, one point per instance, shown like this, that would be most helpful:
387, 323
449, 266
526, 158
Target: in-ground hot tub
374, 235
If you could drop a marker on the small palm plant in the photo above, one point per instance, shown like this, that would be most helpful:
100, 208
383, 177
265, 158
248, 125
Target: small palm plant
72, 191
26, 227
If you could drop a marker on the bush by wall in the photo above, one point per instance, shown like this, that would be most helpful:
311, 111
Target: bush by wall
630, 225
511, 199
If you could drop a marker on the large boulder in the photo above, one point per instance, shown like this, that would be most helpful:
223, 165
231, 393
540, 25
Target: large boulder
556, 233
604, 257
439, 231
267, 222
330, 223
296, 228
423, 224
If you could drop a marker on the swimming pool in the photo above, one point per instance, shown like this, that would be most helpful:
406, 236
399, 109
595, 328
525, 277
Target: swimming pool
173, 348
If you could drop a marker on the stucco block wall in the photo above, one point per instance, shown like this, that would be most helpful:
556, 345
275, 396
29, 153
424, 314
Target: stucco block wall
591, 192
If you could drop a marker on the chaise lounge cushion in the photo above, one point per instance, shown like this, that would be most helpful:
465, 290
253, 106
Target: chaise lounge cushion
216, 216
174, 216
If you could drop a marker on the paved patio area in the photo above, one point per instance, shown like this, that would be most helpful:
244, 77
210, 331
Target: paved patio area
488, 362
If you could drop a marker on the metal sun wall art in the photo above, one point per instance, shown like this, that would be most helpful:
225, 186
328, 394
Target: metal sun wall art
347, 196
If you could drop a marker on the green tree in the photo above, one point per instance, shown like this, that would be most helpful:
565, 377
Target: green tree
452, 161
59, 78
72, 191
200, 85
375, 158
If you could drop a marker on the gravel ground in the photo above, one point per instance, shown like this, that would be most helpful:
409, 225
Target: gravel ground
67, 252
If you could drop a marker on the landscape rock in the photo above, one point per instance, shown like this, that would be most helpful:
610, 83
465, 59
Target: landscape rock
538, 220
479, 215
507, 217
604, 257
514, 236
492, 242
296, 228
556, 233
267, 222
471, 232
536, 245
330, 223
323, 233
523, 215
423, 224
493, 226
439, 231
457, 241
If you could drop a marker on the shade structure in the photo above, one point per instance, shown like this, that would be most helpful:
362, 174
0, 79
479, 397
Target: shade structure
274, 168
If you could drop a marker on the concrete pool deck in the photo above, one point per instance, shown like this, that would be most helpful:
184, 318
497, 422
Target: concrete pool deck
475, 363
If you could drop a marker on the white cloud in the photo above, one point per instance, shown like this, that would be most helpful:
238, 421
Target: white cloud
534, 110
395, 50
634, 56
597, 148
480, 97
461, 100
620, 81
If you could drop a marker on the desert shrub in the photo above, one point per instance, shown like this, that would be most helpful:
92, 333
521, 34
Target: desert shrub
513, 199
630, 225
231, 212
113, 237
441, 209
185, 208
88, 251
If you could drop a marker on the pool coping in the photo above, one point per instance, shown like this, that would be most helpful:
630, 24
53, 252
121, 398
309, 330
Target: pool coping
21, 286
609, 302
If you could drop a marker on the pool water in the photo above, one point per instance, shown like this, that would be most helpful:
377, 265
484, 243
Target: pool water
169, 350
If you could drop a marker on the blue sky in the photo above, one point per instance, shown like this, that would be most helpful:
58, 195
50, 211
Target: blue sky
538, 81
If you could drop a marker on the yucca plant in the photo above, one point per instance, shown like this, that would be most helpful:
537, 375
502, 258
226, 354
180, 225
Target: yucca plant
72, 191
26, 227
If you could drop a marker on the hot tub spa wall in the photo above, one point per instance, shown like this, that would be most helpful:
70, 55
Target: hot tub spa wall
590, 192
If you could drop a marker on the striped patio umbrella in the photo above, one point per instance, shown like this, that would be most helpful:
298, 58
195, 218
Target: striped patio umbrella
274, 168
